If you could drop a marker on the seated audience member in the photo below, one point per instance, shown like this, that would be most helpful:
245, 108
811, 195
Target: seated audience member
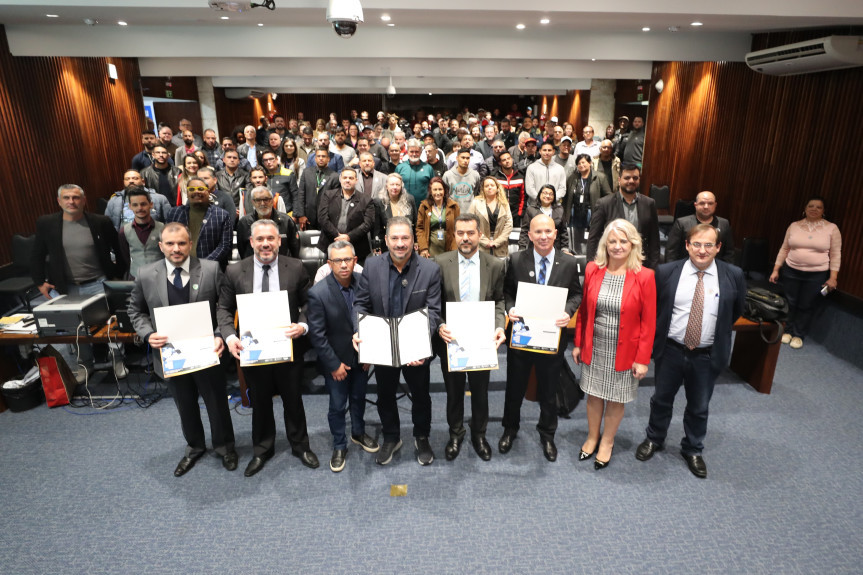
705, 208
209, 226
546, 203
161, 176
495, 219
263, 209
118, 209
139, 238
345, 215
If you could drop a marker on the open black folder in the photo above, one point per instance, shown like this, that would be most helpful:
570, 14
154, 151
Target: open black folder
394, 341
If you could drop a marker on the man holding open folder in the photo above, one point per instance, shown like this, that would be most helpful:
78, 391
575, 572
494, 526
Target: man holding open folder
469, 275
394, 284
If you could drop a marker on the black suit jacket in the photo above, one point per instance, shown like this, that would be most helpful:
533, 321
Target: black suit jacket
732, 295
49, 242
307, 196
239, 279
286, 186
287, 230
360, 220
610, 208
331, 325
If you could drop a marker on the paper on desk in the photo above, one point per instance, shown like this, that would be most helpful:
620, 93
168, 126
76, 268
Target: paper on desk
189, 328
376, 346
471, 325
264, 317
414, 337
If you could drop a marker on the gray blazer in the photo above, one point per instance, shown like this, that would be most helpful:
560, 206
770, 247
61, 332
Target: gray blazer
151, 291
379, 180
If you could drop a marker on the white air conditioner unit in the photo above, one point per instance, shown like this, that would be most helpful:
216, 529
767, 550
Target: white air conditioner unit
830, 53
243, 93
231, 5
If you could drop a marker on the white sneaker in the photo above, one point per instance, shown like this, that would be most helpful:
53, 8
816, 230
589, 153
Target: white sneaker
796, 343
120, 370
786, 337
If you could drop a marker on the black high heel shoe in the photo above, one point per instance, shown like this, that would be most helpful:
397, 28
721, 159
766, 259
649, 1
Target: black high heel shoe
597, 465
582, 455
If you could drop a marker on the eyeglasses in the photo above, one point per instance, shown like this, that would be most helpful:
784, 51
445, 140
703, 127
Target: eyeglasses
341, 261
197, 189
699, 245
262, 200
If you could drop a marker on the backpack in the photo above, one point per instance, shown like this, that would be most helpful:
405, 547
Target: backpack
763, 306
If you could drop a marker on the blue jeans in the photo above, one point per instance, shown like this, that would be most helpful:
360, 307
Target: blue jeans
692, 369
353, 389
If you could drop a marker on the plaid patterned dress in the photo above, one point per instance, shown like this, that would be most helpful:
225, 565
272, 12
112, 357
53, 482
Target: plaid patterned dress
600, 378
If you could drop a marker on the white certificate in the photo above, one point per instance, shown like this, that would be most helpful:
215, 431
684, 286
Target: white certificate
414, 339
376, 347
538, 308
189, 328
264, 317
471, 325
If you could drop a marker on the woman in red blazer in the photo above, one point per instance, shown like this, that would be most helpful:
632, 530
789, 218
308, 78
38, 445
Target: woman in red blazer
613, 334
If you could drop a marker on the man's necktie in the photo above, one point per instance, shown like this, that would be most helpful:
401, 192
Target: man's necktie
542, 263
464, 284
693, 327
265, 278
178, 281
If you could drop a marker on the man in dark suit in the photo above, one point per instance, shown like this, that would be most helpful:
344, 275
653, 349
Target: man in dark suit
268, 271
545, 266
698, 301
78, 246
331, 325
468, 275
262, 202
317, 178
176, 280
344, 215
394, 284
705, 210
210, 226
628, 204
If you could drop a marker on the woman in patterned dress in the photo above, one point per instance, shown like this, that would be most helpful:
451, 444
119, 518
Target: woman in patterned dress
613, 334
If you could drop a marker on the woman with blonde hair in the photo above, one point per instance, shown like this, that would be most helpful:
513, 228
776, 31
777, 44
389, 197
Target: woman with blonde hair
495, 219
392, 200
613, 334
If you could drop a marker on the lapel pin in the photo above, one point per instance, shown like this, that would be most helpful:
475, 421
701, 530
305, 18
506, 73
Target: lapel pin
530, 274
194, 286
405, 282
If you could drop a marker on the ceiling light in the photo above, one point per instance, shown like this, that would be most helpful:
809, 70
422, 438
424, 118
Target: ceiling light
121, 23
696, 24
544, 21
386, 17
646, 29
519, 26
52, 15
390, 24
226, 18
430, 93
593, 59
674, 28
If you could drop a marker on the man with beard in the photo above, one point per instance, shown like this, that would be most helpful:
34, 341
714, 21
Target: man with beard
370, 181
336, 163
161, 176
280, 180
607, 163
468, 275
262, 202
268, 271
232, 178
316, 180
218, 197
344, 215
341, 148
512, 181
210, 228
631, 148
415, 173
139, 239
118, 209
492, 163
178, 135
144, 158
306, 144
187, 148
211, 148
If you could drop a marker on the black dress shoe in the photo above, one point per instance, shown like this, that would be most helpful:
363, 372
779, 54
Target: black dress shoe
505, 443
185, 465
597, 464
452, 449
337, 461
256, 464
646, 450
549, 449
482, 448
696, 465
308, 458
366, 442
230, 460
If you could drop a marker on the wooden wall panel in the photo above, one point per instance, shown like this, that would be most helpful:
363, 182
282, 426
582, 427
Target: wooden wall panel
172, 112
62, 121
763, 145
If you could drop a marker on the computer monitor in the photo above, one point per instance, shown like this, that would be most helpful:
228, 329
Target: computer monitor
117, 293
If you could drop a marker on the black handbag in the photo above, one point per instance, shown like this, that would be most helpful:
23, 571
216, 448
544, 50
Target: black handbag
569, 393
765, 307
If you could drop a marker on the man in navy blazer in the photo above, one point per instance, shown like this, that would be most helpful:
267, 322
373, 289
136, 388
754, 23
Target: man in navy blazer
331, 326
688, 349
393, 284
214, 225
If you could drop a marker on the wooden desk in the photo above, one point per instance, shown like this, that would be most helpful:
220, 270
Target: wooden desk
752, 358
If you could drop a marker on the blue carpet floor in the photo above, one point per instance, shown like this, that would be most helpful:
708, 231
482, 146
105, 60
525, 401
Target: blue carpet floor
95, 493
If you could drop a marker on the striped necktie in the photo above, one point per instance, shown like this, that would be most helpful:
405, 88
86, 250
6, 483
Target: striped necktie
542, 263
693, 327
464, 284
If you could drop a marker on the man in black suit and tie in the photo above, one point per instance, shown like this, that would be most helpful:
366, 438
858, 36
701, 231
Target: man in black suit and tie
176, 280
344, 215
394, 284
317, 178
469, 275
545, 266
628, 204
698, 301
331, 326
268, 271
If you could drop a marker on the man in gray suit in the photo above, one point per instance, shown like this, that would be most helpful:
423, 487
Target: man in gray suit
176, 280
468, 275
370, 181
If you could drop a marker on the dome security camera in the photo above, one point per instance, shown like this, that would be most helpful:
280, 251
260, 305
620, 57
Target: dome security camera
344, 15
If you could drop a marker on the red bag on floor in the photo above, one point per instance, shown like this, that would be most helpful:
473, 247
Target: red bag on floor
58, 381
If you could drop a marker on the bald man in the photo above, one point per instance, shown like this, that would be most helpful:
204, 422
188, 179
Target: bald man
705, 208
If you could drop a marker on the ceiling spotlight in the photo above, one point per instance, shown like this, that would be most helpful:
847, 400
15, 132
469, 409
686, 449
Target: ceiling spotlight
593, 59
90, 21
696, 24
260, 23
519, 26
386, 17
390, 25
52, 15
544, 21
121, 23
226, 17
430, 93
646, 29
674, 28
